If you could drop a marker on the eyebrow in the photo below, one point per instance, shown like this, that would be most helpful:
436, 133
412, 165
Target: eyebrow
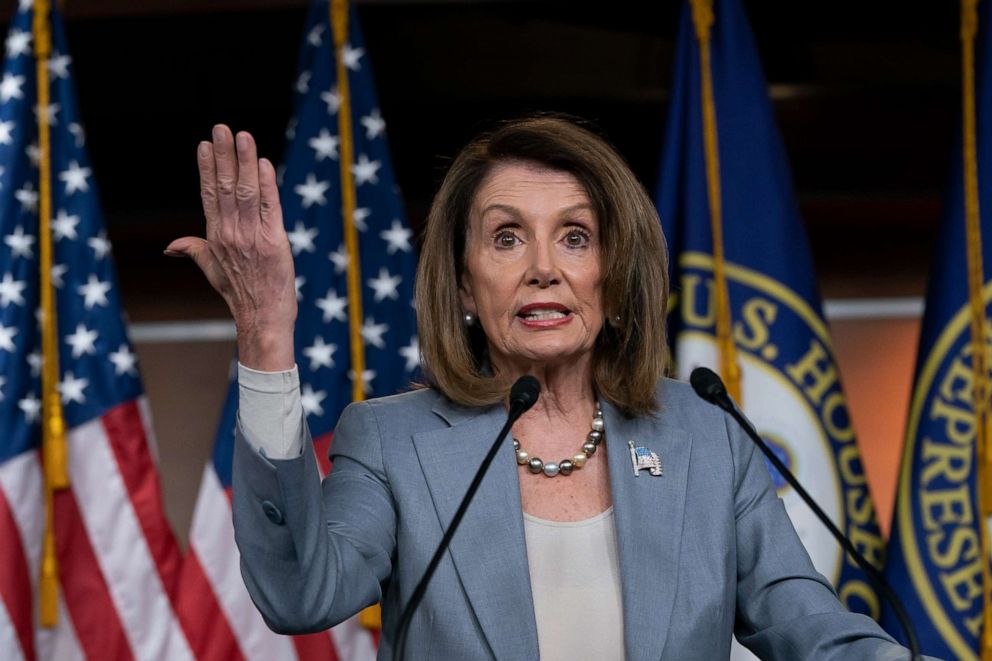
513, 211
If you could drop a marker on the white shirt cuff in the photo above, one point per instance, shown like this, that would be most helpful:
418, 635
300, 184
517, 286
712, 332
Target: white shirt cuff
270, 411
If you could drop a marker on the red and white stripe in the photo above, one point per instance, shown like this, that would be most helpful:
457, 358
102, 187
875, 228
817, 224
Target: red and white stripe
118, 560
219, 616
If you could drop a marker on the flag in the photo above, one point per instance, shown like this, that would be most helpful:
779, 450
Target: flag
327, 326
938, 549
751, 272
118, 561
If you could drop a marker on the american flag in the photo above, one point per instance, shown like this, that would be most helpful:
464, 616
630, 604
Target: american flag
224, 624
118, 560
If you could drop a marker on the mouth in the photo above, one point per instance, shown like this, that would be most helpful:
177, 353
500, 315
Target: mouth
543, 312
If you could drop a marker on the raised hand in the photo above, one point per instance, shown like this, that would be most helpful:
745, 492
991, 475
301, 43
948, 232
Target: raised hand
246, 255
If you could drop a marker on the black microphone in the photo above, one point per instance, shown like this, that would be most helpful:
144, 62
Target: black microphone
708, 386
523, 395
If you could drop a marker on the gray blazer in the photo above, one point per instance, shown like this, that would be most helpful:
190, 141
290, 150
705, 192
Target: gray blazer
705, 551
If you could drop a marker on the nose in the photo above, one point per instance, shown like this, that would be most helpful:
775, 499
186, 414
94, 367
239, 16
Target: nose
543, 269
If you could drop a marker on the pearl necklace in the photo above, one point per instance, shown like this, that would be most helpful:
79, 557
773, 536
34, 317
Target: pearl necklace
565, 467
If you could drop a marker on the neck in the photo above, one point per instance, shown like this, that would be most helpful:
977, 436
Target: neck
566, 387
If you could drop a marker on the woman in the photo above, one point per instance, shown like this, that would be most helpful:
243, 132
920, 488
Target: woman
542, 255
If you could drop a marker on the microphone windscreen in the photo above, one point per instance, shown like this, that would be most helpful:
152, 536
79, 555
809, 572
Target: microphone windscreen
524, 393
707, 384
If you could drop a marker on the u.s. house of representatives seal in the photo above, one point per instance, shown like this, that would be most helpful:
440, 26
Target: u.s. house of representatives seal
791, 391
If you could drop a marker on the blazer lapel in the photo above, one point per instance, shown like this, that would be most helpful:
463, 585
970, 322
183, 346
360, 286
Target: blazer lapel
648, 513
489, 549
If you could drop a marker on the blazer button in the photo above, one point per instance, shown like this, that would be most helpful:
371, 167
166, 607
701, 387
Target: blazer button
272, 513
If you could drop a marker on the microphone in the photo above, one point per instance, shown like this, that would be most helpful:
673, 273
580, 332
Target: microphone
523, 395
709, 387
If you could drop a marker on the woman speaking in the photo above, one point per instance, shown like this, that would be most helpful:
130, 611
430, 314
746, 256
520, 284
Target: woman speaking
542, 255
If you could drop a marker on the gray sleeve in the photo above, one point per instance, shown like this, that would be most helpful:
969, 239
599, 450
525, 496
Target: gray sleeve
312, 555
785, 608
269, 411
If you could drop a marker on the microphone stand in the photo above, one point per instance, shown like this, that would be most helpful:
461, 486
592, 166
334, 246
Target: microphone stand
709, 387
523, 395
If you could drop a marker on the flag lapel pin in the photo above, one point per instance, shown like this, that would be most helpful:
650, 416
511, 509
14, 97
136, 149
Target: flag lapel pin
641, 458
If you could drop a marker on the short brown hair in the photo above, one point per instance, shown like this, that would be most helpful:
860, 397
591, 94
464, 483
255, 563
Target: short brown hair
630, 355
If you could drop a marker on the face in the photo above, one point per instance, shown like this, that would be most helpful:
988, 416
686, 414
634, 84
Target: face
533, 265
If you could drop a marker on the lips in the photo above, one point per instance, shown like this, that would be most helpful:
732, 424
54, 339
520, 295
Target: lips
543, 312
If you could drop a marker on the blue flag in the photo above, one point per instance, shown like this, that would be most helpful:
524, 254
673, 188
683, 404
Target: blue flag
310, 192
934, 560
790, 385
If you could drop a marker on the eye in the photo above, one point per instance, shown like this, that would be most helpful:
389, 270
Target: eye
577, 238
505, 239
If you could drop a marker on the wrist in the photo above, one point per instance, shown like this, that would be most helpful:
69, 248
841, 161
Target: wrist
267, 351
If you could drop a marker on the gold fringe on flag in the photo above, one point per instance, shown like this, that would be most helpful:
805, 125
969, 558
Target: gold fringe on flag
976, 282
702, 18
53, 442
371, 617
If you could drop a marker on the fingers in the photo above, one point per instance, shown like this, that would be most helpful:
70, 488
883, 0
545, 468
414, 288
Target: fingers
208, 187
270, 209
246, 192
226, 165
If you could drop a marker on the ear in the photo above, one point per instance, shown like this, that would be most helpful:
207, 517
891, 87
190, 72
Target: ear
465, 294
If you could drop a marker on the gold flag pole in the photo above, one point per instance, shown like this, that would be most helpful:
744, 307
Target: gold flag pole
976, 282
371, 617
54, 449
702, 18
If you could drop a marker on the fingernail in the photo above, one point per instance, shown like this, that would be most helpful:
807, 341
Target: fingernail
173, 253
218, 133
203, 149
242, 141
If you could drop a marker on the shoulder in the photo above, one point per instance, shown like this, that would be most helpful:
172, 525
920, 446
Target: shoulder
679, 405
409, 412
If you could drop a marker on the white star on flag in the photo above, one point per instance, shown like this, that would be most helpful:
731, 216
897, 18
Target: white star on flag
325, 145
385, 285
64, 226
74, 178
82, 341
19, 242
35, 361
28, 197
290, 134
2, 381
123, 360
303, 82
51, 113
411, 353
351, 57
300, 281
10, 87
77, 131
374, 124
6, 136
333, 306
365, 171
314, 37
312, 191
18, 43
359, 217
340, 259
367, 376
333, 100
10, 290
94, 292
99, 244
58, 270
397, 237
301, 238
320, 354
372, 333
24, 5
7, 334
72, 388
311, 400
58, 65
34, 153
31, 406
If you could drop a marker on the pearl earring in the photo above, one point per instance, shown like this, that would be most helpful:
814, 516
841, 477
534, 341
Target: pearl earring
469, 319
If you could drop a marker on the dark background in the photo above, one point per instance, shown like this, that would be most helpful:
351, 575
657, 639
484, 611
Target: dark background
867, 97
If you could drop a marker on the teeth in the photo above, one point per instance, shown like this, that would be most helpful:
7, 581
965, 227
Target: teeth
542, 315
